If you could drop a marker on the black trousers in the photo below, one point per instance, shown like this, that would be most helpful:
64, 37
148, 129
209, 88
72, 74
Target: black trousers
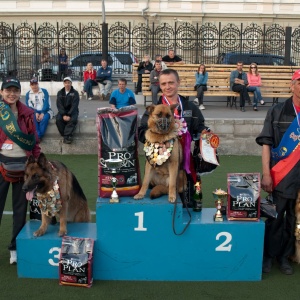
19, 202
279, 232
66, 128
242, 89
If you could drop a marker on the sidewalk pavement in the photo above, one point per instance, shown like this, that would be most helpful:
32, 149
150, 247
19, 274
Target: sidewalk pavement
214, 108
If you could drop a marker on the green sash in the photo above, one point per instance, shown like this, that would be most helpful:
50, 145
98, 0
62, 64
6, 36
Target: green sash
9, 125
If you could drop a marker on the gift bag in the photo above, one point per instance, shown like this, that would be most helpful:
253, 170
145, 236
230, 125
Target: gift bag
243, 196
118, 139
76, 261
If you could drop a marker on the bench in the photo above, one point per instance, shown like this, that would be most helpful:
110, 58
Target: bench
276, 81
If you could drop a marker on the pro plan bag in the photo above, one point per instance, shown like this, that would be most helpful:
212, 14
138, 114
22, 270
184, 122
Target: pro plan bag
243, 196
76, 261
117, 138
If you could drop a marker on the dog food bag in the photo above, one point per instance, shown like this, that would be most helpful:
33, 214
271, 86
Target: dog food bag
243, 196
76, 261
118, 139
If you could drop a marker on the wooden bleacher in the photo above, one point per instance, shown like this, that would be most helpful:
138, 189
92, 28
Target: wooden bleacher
275, 81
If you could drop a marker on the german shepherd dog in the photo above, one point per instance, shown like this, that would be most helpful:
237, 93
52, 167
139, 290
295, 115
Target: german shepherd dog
53, 179
163, 153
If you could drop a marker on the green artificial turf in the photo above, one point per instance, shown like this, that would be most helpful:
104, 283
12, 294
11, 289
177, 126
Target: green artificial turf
273, 286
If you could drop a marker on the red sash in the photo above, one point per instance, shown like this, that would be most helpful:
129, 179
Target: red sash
283, 167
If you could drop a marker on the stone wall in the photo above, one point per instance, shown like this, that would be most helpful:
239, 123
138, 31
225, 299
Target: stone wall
237, 137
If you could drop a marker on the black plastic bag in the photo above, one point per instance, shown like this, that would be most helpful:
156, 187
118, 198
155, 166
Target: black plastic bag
268, 208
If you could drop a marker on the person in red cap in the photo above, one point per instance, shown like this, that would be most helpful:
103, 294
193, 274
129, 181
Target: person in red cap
280, 141
18, 140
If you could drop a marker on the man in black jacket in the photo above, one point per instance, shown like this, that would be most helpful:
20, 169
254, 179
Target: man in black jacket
280, 141
169, 84
67, 103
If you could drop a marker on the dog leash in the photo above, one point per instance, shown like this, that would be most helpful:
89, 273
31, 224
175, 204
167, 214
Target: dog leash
174, 211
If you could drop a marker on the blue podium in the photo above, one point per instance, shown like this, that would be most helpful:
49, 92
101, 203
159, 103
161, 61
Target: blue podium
136, 240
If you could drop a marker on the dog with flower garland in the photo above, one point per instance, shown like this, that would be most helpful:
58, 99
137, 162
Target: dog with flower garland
58, 193
163, 151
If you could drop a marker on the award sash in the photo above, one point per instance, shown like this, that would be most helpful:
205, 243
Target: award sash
287, 153
9, 125
288, 142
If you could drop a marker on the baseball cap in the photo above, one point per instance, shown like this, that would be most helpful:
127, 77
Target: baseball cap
296, 75
34, 80
68, 78
10, 81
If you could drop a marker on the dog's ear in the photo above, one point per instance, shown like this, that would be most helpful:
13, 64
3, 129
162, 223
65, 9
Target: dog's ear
42, 160
150, 108
30, 160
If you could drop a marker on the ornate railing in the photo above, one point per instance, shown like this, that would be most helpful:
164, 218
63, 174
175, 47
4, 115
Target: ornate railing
21, 45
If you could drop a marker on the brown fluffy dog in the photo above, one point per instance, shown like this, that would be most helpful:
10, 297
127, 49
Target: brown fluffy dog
42, 177
296, 257
163, 177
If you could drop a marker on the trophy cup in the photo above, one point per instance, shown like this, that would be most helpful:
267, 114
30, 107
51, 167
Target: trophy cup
113, 165
219, 197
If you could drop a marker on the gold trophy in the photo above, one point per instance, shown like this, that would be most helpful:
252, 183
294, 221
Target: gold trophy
219, 197
113, 165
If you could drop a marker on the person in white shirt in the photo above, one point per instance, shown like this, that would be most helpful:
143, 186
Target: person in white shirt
39, 100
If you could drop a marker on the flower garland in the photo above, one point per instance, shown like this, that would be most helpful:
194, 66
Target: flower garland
50, 203
180, 126
158, 153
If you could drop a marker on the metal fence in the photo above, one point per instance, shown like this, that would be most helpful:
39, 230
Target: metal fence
21, 46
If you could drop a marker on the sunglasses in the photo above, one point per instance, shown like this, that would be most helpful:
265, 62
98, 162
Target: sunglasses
253, 67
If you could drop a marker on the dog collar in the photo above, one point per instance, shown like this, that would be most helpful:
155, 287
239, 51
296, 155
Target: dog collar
158, 153
50, 203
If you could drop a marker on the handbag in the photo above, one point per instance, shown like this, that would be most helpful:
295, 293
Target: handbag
12, 171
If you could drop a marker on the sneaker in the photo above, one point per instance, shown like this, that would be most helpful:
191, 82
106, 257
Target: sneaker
267, 264
202, 107
13, 257
67, 140
285, 266
196, 101
90, 98
243, 109
255, 108
262, 102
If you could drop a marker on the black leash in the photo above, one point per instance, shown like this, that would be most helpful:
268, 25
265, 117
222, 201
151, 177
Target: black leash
175, 206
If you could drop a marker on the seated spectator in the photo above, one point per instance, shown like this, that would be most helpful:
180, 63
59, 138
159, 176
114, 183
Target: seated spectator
159, 57
104, 78
238, 83
122, 96
201, 85
67, 105
254, 82
171, 58
145, 67
89, 78
47, 64
39, 100
154, 80
63, 64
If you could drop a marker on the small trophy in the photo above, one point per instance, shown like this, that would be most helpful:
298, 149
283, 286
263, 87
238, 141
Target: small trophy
113, 165
219, 197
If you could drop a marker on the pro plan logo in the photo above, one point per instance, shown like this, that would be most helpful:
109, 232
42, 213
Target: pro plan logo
244, 200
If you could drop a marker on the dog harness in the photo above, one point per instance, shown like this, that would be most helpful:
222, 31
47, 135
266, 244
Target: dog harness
158, 153
50, 203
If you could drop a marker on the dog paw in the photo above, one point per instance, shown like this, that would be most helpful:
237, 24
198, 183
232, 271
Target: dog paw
39, 232
138, 196
62, 232
172, 199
